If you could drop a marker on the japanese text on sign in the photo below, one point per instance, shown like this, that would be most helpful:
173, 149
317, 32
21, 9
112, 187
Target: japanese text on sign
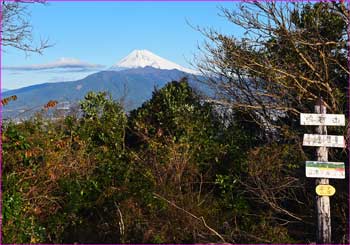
324, 140
322, 119
330, 170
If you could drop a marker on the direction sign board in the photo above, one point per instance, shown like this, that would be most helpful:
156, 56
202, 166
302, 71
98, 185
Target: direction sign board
330, 170
324, 140
322, 119
325, 190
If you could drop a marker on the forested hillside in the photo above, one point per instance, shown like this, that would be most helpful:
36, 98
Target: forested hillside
174, 170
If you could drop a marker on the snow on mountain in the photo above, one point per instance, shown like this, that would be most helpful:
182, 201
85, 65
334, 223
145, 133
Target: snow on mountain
143, 58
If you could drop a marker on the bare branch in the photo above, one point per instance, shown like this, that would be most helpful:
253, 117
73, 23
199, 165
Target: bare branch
16, 30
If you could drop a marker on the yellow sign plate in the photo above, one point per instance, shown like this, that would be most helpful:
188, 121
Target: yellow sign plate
325, 190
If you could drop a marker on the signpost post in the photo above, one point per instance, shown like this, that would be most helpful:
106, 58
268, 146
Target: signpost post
324, 230
322, 169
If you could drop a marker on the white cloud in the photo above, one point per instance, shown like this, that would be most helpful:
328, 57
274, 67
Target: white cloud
63, 63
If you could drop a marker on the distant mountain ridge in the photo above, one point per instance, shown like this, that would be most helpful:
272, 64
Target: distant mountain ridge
134, 85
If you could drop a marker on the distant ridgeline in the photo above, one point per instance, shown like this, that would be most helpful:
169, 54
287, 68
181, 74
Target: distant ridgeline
131, 86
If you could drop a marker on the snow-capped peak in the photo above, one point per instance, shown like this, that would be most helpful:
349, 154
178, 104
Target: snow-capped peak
143, 58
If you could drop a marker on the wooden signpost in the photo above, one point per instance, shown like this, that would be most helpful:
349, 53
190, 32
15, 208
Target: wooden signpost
322, 169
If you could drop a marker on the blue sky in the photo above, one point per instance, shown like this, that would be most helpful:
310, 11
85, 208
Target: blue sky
99, 34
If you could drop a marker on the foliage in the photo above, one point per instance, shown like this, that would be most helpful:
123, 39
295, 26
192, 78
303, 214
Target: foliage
5, 101
103, 122
58, 170
176, 114
175, 137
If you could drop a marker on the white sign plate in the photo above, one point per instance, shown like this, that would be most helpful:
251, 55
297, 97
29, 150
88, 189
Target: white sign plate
328, 170
324, 140
322, 119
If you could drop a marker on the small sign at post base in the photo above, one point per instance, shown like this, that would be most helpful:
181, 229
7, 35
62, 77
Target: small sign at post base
325, 190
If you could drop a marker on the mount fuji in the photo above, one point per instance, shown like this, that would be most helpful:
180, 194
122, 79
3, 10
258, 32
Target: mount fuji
132, 79
144, 58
